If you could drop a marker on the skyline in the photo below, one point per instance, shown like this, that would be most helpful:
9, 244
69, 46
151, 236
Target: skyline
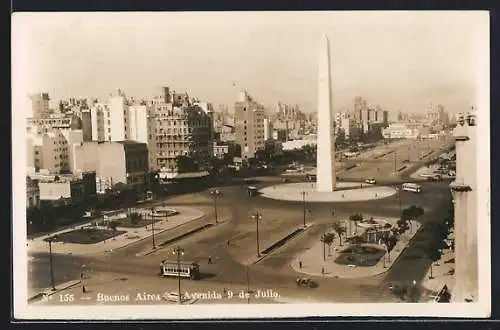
401, 61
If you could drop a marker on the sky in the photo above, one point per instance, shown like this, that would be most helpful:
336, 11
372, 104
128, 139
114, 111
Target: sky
399, 60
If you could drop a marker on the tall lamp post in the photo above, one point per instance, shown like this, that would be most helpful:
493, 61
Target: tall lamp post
303, 193
178, 251
215, 193
153, 226
51, 265
395, 161
257, 217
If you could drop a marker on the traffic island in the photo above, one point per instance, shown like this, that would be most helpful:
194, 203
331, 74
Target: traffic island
85, 235
355, 260
346, 192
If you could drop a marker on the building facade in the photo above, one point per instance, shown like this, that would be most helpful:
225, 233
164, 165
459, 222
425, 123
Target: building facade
464, 190
48, 152
177, 127
40, 105
32, 193
71, 188
249, 125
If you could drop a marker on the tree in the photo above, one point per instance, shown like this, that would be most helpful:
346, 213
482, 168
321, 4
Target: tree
339, 229
356, 217
112, 225
135, 218
326, 239
434, 255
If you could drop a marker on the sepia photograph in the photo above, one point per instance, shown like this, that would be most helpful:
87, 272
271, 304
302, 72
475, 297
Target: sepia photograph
246, 165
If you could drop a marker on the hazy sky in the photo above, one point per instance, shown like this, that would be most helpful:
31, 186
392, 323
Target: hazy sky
398, 60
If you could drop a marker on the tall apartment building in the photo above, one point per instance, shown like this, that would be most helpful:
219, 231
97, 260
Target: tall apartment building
249, 125
40, 105
118, 120
178, 127
87, 124
464, 190
268, 129
48, 152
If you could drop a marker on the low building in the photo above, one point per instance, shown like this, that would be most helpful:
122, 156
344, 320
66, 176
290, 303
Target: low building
124, 162
220, 150
227, 133
297, 144
72, 189
400, 131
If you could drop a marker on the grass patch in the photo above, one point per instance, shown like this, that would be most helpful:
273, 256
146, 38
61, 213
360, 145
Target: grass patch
360, 255
86, 236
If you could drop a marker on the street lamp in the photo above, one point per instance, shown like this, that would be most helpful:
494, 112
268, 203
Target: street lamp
215, 193
257, 217
153, 226
178, 251
303, 193
395, 161
51, 264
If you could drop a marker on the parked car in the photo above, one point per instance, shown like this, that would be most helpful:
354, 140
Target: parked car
306, 282
173, 297
370, 181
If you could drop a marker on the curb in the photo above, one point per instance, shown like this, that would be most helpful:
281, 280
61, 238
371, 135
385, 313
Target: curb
282, 246
156, 233
48, 292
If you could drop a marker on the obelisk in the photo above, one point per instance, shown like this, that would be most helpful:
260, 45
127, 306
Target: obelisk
325, 168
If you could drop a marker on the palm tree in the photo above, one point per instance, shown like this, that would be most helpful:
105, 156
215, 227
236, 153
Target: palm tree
356, 217
339, 229
327, 239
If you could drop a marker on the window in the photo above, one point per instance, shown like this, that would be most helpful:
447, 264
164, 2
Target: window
109, 131
109, 122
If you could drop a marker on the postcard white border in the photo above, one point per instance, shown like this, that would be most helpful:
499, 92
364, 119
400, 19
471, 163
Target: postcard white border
22, 310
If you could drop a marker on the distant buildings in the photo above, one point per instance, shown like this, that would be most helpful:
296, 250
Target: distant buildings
47, 152
436, 115
32, 193
71, 189
249, 125
400, 131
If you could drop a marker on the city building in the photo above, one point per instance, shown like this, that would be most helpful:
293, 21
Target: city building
249, 126
177, 127
47, 152
297, 144
51, 122
71, 189
97, 121
400, 131
464, 191
124, 162
268, 129
40, 105
32, 193
227, 133
138, 123
87, 125
219, 150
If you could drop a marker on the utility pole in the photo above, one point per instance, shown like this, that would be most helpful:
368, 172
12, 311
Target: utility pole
178, 251
215, 193
304, 206
153, 226
257, 217
51, 265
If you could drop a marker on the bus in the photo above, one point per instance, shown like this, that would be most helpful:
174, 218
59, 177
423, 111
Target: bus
413, 187
187, 269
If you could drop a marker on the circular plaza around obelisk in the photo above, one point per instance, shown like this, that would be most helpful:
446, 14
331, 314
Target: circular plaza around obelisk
344, 192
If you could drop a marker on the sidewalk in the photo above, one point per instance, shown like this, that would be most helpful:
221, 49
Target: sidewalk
313, 263
132, 235
440, 273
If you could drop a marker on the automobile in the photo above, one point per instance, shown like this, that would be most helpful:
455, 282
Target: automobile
173, 297
306, 282
370, 181
435, 177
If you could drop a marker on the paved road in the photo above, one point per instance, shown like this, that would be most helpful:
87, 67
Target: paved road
278, 218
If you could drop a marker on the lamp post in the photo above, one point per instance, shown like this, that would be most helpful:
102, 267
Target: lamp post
153, 226
257, 217
215, 193
303, 193
51, 265
395, 161
178, 251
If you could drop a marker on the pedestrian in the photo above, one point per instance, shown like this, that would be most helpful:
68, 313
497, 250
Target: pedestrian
209, 260
300, 264
224, 292
322, 270
228, 242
